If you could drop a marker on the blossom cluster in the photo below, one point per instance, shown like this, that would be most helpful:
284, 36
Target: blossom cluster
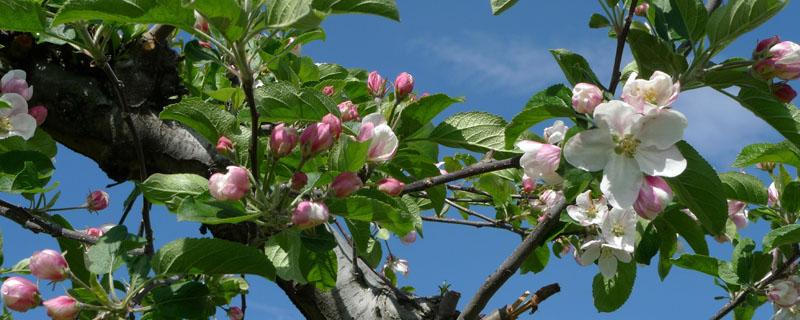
20, 294
785, 296
778, 59
16, 119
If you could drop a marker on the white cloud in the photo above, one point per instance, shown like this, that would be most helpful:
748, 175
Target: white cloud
510, 64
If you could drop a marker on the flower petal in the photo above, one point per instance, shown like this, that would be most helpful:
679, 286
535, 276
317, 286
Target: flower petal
622, 180
529, 146
23, 125
18, 105
661, 129
616, 117
589, 150
664, 163
608, 265
591, 251
578, 214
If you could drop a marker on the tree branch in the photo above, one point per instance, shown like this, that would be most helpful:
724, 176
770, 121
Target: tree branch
38, 225
476, 224
621, 36
513, 311
510, 266
496, 223
470, 171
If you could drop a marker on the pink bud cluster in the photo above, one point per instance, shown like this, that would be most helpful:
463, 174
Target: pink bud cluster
778, 59
785, 293
232, 185
97, 201
20, 294
403, 85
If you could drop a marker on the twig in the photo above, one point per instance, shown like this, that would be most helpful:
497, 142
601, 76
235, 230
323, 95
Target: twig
472, 170
447, 306
244, 302
499, 224
38, 225
621, 36
713, 5
513, 311
476, 224
742, 296
510, 266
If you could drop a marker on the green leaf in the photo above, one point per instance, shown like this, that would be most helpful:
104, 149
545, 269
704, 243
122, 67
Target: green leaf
742, 260
296, 259
109, 252
611, 294
498, 6
282, 102
547, 104
223, 289
24, 171
225, 15
475, 131
187, 300
668, 247
790, 197
649, 244
783, 117
500, 189
348, 155
73, 252
701, 190
205, 209
22, 15
162, 188
783, 152
1, 250
209, 120
575, 182
298, 14
40, 142
383, 8
700, 263
284, 250
694, 16
537, 261
575, 67
722, 78
652, 54
421, 112
368, 248
781, 236
744, 187
598, 21
134, 11
371, 205
687, 228
738, 17
212, 257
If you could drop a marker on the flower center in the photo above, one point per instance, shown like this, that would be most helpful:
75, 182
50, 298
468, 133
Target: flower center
618, 230
627, 146
5, 125
591, 212
650, 95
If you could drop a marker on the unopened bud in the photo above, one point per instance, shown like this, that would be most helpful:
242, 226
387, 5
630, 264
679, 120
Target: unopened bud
345, 184
403, 85
49, 265
97, 200
282, 140
391, 186
39, 113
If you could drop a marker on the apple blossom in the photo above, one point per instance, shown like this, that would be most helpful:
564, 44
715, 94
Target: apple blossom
235, 313
586, 97
14, 82
784, 293
619, 229
551, 199
792, 313
396, 265
19, 294
555, 133
62, 308
39, 113
294, 48
49, 265
96, 232
345, 184
403, 85
282, 140
440, 165
646, 95
334, 123
316, 138
763, 46
626, 145
528, 184
587, 211
409, 238
641, 10
383, 141
376, 84
391, 186
232, 185
783, 92
309, 214
299, 181
16, 121
773, 198
737, 212
540, 160
348, 110
97, 200
224, 145
200, 22
782, 61
653, 197
328, 91
606, 256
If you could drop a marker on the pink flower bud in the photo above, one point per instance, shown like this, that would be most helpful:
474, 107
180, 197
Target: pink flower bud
737, 212
641, 10
348, 110
540, 161
440, 166
224, 145
391, 186
200, 22
783, 293
62, 308
551, 199
309, 214
763, 46
383, 141
235, 313
528, 184
14, 82
39, 113
403, 85
204, 44
299, 181
315, 139
766, 166
232, 185
783, 61
49, 265
282, 140
328, 91
409, 238
654, 195
97, 200
376, 84
19, 294
334, 123
586, 97
783, 92
772, 192
345, 184
95, 232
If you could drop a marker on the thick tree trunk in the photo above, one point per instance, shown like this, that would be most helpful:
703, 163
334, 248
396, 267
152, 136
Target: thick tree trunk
83, 117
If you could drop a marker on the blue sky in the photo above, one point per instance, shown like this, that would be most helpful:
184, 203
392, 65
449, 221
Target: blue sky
457, 47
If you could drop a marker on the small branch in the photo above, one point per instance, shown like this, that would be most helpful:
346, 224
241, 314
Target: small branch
713, 5
38, 225
499, 224
621, 36
510, 266
470, 171
447, 306
513, 311
742, 296
476, 224
244, 302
